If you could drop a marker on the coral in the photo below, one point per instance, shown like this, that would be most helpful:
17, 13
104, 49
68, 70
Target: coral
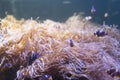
49, 50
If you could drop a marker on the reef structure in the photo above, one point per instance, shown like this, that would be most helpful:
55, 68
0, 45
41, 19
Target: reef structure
48, 50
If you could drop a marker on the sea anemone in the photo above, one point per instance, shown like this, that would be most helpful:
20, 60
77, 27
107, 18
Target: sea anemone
49, 50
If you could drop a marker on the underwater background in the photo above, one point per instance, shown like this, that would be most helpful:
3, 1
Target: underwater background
59, 40
60, 10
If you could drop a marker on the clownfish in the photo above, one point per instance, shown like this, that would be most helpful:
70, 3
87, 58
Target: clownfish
71, 43
100, 33
32, 58
113, 72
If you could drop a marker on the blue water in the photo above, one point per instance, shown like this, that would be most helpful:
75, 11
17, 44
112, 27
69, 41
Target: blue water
60, 10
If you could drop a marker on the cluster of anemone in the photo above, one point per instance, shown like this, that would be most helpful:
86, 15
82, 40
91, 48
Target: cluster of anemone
49, 50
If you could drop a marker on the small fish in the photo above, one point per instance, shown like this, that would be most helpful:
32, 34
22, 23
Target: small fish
110, 71
88, 18
113, 72
93, 10
71, 43
106, 15
100, 33
32, 58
